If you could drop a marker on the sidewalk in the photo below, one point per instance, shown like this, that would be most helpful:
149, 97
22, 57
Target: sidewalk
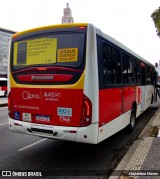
143, 158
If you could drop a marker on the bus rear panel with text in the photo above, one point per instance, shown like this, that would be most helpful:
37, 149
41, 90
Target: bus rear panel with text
73, 82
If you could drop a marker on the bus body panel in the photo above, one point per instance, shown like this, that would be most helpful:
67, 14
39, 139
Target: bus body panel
4, 88
81, 134
115, 109
88, 134
63, 133
110, 104
114, 126
91, 82
138, 95
55, 111
129, 97
147, 94
36, 105
61, 107
143, 99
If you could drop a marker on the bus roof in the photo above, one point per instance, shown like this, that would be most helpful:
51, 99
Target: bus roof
98, 31
49, 27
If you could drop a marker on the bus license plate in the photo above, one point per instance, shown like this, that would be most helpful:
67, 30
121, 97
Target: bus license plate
43, 118
26, 117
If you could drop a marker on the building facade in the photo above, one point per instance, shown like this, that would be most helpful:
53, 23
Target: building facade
67, 15
5, 40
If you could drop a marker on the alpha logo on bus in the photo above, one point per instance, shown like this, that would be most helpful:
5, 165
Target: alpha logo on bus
28, 96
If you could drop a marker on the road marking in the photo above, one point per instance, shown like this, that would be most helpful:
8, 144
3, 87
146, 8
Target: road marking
31, 145
3, 123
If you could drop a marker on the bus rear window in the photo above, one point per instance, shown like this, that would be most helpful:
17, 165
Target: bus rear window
60, 49
3, 83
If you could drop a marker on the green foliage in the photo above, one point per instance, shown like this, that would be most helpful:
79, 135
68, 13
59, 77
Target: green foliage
156, 18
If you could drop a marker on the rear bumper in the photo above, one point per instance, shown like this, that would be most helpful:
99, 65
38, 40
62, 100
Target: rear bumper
87, 134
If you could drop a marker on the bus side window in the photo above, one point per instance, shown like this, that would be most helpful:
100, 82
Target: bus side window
107, 64
149, 75
153, 76
111, 65
128, 77
143, 74
116, 54
137, 72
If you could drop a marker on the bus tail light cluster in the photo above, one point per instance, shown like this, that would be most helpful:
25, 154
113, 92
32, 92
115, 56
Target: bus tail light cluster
86, 112
10, 107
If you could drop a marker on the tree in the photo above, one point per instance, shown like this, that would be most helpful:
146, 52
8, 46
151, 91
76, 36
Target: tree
156, 18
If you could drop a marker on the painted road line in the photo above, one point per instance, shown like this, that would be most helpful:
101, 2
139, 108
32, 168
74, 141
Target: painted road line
31, 145
3, 123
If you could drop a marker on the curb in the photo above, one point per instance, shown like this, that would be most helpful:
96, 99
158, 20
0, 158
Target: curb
144, 142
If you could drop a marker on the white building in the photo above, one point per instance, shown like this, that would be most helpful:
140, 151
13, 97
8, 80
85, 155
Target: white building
5, 40
67, 15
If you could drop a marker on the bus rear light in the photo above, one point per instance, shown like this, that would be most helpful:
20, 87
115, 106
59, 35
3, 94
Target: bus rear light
10, 107
82, 27
42, 68
86, 112
14, 36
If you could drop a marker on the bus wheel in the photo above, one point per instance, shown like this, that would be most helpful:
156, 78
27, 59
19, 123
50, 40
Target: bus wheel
131, 126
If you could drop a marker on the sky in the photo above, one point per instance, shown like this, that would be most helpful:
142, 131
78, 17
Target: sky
128, 21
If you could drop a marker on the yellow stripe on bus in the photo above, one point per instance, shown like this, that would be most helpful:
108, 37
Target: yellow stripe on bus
50, 27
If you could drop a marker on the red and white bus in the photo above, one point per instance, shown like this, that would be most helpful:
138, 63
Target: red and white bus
3, 86
73, 82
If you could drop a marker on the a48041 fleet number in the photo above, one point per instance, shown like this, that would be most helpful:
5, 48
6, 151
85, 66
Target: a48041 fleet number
52, 95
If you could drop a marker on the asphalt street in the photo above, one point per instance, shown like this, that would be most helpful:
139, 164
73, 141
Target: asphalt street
25, 152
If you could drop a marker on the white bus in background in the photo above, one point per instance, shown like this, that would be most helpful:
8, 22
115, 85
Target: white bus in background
3, 86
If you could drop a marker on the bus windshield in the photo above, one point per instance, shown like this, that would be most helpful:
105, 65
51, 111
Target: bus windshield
62, 49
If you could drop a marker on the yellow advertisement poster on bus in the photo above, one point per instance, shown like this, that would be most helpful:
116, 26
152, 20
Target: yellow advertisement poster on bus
68, 55
37, 51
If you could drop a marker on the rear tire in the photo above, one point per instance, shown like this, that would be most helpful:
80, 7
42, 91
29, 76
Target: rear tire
131, 126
